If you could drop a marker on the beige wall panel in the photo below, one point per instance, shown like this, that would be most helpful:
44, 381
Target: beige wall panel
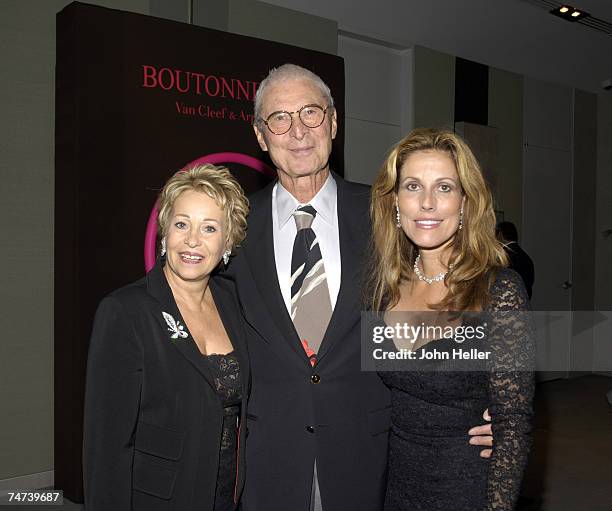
603, 230
367, 146
27, 95
258, 19
506, 114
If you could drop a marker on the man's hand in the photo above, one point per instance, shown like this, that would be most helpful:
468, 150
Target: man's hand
482, 435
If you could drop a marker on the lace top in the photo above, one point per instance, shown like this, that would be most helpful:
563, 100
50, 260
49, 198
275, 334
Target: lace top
226, 373
431, 464
511, 387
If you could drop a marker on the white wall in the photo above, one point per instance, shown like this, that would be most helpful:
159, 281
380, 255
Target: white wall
603, 245
602, 353
547, 203
506, 114
378, 104
27, 91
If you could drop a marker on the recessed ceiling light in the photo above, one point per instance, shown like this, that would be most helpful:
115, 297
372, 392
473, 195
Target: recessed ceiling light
569, 13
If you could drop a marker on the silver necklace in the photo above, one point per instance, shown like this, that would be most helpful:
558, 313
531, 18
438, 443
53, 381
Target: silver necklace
429, 280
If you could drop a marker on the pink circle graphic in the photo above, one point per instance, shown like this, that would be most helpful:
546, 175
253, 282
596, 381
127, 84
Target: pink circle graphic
215, 159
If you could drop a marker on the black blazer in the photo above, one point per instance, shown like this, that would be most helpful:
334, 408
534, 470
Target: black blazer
334, 412
153, 420
521, 263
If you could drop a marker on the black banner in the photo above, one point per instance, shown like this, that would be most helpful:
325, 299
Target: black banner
138, 98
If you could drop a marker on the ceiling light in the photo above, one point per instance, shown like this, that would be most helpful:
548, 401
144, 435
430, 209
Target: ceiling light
569, 13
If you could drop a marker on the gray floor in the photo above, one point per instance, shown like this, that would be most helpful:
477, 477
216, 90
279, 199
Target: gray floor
570, 466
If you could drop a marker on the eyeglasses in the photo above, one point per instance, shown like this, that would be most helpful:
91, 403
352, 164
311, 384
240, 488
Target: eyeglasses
312, 116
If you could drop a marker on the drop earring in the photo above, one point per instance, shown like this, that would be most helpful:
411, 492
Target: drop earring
461, 218
226, 256
163, 247
398, 224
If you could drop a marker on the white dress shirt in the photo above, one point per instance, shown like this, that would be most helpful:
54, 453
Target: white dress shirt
325, 226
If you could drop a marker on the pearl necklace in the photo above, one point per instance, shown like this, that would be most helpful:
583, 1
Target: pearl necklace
429, 280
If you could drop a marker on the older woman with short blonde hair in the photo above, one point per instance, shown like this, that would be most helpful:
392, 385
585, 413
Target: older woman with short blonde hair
167, 375
216, 182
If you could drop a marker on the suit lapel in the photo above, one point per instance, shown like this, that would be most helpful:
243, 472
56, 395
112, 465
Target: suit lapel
158, 287
351, 234
258, 252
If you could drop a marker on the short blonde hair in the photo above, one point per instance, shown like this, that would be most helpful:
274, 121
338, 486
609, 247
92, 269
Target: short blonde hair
216, 182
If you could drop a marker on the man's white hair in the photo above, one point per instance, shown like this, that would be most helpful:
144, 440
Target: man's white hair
289, 72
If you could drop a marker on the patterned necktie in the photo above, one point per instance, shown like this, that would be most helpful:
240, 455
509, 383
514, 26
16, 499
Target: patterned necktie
310, 303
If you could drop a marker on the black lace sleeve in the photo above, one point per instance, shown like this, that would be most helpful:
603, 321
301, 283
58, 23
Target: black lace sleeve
511, 389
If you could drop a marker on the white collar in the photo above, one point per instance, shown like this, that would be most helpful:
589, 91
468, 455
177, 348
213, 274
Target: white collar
324, 202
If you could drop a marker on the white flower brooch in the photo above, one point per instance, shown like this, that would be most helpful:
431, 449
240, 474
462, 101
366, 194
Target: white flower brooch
175, 327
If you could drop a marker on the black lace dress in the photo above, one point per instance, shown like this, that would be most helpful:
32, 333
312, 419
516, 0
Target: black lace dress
431, 464
226, 372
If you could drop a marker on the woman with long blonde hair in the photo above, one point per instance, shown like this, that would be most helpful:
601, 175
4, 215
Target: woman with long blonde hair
434, 252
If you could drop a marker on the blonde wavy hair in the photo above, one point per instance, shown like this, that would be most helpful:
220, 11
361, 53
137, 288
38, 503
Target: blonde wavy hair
475, 250
216, 182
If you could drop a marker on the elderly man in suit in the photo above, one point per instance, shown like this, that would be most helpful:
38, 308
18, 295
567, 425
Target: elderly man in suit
317, 425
